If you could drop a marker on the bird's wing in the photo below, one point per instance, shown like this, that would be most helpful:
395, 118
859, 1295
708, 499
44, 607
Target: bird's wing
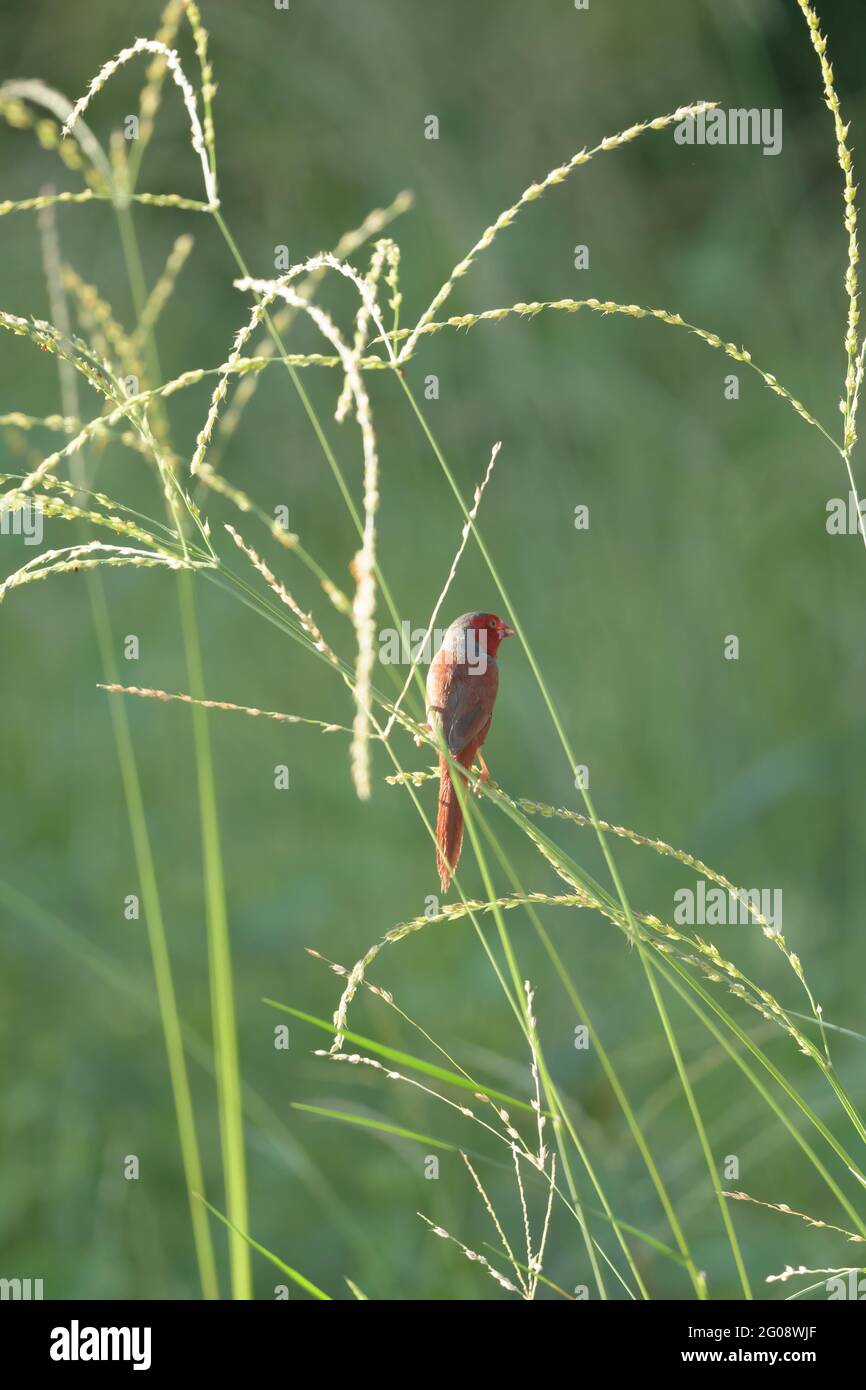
466, 710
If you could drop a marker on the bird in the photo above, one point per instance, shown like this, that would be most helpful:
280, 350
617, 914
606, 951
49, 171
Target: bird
461, 690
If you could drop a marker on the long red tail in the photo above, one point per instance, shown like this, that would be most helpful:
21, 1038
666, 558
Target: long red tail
449, 824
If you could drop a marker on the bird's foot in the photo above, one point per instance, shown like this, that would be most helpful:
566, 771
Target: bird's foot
481, 777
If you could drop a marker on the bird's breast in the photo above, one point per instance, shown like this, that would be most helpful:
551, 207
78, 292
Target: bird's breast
451, 682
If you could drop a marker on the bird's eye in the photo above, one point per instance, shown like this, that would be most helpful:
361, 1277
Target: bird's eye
491, 622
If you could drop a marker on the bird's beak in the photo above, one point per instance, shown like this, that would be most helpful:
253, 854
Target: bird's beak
506, 631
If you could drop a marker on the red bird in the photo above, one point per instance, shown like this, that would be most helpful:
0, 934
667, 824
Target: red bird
461, 691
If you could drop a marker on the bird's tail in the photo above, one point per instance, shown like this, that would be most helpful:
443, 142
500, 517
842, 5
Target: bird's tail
449, 826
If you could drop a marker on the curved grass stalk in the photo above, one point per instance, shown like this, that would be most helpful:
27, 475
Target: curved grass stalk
387, 997
100, 374
282, 320
785, 1210
54, 502
364, 565
50, 505
40, 94
315, 423
544, 810
534, 191
18, 116
589, 893
69, 349
634, 311
166, 697
697, 865
90, 195
362, 324
92, 555
173, 64
711, 962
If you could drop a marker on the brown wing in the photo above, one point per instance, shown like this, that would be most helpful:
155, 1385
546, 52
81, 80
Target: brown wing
467, 706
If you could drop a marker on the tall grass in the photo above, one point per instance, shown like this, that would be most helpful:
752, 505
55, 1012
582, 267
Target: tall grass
557, 1163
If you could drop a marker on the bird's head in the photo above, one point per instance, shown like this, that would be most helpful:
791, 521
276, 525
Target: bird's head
478, 632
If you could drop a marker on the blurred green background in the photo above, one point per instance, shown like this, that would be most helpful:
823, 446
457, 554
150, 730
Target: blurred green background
707, 518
